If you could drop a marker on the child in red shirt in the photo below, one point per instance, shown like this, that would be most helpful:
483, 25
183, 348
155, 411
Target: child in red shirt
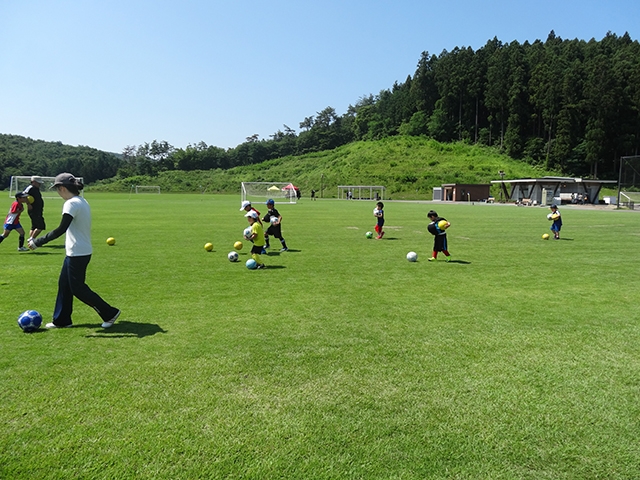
12, 222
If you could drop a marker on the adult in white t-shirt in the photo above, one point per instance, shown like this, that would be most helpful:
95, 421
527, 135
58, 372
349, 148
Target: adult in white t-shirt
76, 223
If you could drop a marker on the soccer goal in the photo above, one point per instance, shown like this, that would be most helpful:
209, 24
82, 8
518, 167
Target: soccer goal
361, 192
629, 182
147, 189
19, 183
285, 191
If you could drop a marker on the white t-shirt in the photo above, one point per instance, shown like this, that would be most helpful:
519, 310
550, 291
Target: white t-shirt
78, 237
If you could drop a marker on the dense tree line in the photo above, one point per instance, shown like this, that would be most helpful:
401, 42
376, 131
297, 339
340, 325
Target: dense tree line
567, 105
24, 156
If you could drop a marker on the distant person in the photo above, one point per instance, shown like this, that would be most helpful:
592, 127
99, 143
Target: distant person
557, 221
275, 228
378, 212
76, 224
12, 221
313, 194
257, 237
36, 209
298, 194
440, 234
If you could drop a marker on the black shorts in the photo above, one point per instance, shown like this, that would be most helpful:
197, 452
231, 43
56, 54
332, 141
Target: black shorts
275, 231
256, 249
440, 243
37, 222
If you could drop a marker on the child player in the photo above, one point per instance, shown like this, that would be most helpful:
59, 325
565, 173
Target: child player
557, 221
440, 234
246, 206
257, 237
378, 212
12, 222
274, 228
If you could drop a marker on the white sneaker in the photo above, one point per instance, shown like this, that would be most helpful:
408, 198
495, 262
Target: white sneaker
23, 249
53, 325
112, 321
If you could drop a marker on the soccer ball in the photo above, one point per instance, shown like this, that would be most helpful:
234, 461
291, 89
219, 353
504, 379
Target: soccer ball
550, 216
233, 256
274, 220
442, 224
30, 321
412, 256
369, 234
545, 236
237, 245
111, 241
251, 264
30, 199
247, 233
208, 246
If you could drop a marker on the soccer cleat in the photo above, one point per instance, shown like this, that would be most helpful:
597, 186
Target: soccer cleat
263, 252
53, 325
284, 249
378, 237
432, 259
23, 249
112, 321
262, 265
447, 258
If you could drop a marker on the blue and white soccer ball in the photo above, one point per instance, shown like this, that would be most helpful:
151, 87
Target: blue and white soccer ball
274, 220
233, 256
412, 256
247, 233
251, 264
30, 321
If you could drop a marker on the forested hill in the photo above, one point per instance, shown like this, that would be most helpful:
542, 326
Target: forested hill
408, 166
24, 156
572, 106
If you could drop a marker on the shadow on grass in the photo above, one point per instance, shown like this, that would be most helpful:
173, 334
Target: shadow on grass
389, 238
126, 329
568, 239
274, 267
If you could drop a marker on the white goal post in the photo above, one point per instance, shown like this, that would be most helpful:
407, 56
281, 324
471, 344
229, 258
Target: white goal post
19, 183
361, 192
148, 189
285, 191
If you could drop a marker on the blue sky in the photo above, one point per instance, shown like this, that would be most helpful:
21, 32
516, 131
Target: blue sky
113, 73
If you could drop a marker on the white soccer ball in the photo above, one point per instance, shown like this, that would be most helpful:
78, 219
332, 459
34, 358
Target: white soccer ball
274, 220
247, 233
412, 256
549, 216
233, 256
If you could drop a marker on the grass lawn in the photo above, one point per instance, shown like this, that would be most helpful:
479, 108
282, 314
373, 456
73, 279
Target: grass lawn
341, 360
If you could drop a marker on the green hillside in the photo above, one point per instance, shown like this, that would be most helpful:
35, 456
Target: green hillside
408, 166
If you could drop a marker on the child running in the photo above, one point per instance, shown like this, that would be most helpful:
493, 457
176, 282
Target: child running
257, 237
440, 234
12, 221
378, 212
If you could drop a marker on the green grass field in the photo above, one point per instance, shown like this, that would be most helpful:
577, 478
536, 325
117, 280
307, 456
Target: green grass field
341, 360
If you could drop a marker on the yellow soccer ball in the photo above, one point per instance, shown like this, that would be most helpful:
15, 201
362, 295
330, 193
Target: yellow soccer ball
545, 236
237, 245
111, 241
30, 199
442, 224
208, 246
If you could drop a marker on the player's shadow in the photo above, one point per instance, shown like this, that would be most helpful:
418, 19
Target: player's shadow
126, 329
274, 267
463, 262
565, 238
389, 238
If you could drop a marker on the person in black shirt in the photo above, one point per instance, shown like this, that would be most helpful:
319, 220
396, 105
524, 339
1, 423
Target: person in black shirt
437, 228
36, 209
273, 218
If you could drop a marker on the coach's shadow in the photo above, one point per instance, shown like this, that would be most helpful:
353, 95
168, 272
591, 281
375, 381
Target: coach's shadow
126, 329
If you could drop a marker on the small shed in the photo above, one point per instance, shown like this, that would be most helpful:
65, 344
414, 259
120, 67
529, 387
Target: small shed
545, 190
465, 192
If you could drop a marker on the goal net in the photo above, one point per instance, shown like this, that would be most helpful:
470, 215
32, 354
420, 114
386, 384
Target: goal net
20, 183
629, 182
147, 189
361, 192
285, 191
